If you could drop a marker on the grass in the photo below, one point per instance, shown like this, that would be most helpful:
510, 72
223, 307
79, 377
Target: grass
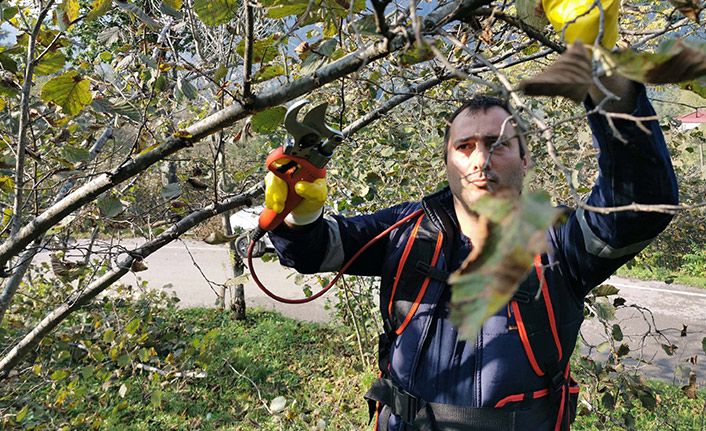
642, 272
251, 365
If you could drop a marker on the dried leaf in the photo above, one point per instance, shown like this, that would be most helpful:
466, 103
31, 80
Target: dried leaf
515, 232
674, 61
487, 35
197, 184
302, 48
690, 389
215, 238
569, 76
688, 8
683, 330
138, 265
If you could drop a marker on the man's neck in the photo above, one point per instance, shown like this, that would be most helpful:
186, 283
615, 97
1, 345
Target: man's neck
469, 222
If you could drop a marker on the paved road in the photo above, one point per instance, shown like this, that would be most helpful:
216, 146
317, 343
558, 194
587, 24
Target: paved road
669, 306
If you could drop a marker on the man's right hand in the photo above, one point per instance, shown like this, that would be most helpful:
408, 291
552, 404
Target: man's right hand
309, 209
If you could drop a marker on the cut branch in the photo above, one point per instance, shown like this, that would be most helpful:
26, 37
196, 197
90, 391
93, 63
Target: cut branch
78, 299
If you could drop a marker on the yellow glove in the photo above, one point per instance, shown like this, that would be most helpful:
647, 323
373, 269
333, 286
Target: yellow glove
309, 209
560, 12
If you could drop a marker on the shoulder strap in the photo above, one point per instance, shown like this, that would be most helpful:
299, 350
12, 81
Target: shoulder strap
414, 272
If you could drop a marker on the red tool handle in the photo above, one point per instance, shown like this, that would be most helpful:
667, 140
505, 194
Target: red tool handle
292, 170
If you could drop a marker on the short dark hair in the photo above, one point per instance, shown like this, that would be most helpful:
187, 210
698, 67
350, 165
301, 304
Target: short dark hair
479, 102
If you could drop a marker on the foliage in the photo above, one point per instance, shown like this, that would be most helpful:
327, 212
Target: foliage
134, 116
95, 377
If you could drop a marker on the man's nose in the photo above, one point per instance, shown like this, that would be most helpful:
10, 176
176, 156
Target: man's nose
480, 157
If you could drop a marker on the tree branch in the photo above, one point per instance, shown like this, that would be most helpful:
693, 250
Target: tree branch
227, 117
247, 64
16, 221
78, 299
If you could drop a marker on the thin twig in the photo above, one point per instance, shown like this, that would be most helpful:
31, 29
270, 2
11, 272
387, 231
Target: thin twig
259, 396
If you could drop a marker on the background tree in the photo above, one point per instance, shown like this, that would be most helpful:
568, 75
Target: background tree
100, 101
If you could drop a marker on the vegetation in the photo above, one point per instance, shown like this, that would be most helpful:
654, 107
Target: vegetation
152, 119
201, 369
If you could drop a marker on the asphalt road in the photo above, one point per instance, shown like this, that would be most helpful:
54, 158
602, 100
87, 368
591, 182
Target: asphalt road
653, 314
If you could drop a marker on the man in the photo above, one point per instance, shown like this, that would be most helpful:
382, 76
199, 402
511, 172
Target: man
502, 380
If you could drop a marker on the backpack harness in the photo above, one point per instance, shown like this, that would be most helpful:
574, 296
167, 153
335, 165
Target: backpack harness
536, 324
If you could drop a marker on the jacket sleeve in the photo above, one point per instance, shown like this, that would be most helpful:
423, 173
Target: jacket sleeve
590, 246
328, 243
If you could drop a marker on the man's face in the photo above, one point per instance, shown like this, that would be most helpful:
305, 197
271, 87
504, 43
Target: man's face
471, 136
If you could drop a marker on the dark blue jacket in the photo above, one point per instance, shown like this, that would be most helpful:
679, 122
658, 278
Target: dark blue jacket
428, 359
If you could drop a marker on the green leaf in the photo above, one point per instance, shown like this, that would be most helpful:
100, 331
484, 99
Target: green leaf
8, 64
108, 336
605, 290
314, 58
118, 107
99, 8
156, 398
131, 327
110, 206
174, 4
97, 354
215, 12
220, 73
515, 232
66, 13
697, 86
527, 12
59, 375
171, 191
186, 88
267, 121
123, 360
268, 72
7, 184
415, 55
264, 50
22, 413
75, 154
605, 309
9, 12
617, 333
286, 10
69, 91
51, 63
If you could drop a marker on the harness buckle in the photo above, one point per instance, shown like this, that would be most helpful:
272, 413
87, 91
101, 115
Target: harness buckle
522, 296
557, 383
406, 405
433, 273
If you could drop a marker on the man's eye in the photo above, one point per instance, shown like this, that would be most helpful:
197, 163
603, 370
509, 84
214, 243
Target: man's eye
464, 147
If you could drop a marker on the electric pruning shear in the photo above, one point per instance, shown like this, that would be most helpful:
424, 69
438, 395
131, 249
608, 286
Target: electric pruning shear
303, 157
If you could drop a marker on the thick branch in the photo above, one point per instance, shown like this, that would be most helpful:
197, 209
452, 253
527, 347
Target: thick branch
81, 297
227, 117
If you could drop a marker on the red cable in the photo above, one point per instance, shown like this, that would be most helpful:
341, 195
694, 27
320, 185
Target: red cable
340, 273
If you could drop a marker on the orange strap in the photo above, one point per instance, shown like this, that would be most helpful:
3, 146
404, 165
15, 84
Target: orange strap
420, 295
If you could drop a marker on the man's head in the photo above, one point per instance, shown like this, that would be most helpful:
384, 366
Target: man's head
471, 134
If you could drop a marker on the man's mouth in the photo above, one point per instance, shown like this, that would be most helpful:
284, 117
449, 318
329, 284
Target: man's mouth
481, 180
